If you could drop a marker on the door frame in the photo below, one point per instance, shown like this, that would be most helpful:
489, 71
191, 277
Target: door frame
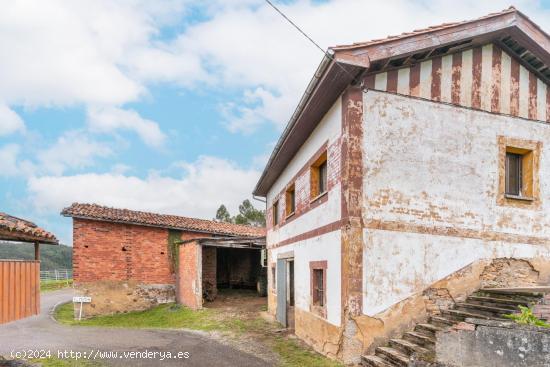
282, 283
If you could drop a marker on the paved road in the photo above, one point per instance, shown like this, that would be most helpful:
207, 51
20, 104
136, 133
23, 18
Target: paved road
42, 332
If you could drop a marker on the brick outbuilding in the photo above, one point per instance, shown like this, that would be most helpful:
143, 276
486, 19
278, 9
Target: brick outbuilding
131, 260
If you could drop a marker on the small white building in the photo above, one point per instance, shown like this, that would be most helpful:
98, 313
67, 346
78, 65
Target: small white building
414, 171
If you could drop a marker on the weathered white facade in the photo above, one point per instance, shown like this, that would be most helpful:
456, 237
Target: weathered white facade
437, 169
416, 214
325, 247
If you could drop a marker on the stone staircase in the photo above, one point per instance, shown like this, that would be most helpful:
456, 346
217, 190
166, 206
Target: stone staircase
486, 303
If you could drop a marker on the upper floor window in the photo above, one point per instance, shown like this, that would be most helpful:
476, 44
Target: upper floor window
290, 196
514, 173
519, 173
519, 170
318, 181
275, 213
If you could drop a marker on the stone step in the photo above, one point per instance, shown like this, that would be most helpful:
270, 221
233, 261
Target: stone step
511, 293
375, 361
461, 315
473, 307
427, 329
441, 321
420, 339
393, 355
408, 347
501, 301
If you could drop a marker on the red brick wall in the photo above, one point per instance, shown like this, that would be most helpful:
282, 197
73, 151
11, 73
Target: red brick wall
188, 287
121, 252
209, 285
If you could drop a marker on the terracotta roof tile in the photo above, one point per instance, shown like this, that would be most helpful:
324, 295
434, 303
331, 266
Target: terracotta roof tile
17, 229
94, 211
421, 31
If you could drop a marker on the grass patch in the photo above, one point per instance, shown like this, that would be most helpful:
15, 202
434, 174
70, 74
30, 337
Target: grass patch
51, 285
57, 362
293, 354
167, 316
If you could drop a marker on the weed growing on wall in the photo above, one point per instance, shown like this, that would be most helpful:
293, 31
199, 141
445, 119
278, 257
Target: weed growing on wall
526, 317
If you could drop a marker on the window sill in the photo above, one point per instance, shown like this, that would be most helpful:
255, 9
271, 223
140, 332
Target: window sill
314, 199
289, 215
320, 311
517, 197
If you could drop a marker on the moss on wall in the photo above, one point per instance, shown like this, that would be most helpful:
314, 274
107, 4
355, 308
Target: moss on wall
174, 237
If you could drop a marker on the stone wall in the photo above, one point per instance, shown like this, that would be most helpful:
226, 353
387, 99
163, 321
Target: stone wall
494, 344
110, 296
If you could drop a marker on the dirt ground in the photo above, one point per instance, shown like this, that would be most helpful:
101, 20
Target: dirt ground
258, 326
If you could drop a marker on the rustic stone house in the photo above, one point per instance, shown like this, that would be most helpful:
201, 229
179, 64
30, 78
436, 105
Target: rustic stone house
414, 171
130, 260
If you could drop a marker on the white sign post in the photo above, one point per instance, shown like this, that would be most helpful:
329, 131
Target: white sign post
81, 300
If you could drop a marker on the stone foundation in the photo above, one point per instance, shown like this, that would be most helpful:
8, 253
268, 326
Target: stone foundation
494, 344
109, 297
375, 331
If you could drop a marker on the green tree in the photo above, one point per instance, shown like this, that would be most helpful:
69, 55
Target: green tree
222, 215
250, 215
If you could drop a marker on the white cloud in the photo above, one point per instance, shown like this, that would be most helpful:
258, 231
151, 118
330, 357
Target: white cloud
11, 165
109, 119
107, 53
10, 121
248, 45
202, 187
72, 150
65, 52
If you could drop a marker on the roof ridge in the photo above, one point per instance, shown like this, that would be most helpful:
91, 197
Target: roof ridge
415, 32
102, 212
159, 214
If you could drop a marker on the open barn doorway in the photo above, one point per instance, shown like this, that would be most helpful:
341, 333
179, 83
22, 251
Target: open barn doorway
233, 271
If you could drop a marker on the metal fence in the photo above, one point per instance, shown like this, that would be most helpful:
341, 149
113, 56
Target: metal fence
58, 274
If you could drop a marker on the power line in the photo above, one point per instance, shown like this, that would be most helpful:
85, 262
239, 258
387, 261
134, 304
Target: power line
296, 26
326, 53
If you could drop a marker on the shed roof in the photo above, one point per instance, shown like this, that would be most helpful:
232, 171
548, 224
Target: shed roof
344, 65
104, 213
17, 229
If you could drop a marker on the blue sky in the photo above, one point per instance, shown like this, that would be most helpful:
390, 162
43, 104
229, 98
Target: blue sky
170, 106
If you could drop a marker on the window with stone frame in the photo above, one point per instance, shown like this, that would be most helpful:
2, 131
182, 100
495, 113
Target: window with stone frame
290, 200
275, 213
519, 181
318, 176
318, 284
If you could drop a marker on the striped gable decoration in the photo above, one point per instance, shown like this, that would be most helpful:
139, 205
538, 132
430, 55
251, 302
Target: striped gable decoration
485, 78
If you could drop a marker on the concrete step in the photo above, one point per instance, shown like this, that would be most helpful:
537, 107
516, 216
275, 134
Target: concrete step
427, 329
482, 309
505, 302
393, 355
441, 321
420, 339
375, 361
462, 315
408, 347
